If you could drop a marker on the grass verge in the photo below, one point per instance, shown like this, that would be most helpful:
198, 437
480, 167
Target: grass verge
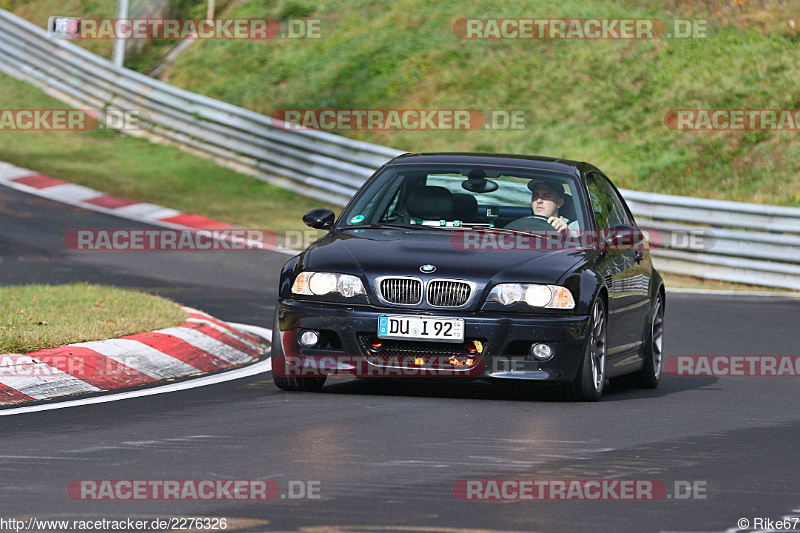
677, 281
34, 317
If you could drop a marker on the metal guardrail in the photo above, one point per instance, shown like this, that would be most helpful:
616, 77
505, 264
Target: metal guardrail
318, 164
727, 241
744, 243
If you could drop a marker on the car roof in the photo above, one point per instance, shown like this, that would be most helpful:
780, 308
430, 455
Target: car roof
508, 160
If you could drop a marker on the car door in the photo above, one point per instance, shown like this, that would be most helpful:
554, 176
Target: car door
623, 270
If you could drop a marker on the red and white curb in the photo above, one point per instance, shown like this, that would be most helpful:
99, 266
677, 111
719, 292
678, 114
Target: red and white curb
58, 190
201, 345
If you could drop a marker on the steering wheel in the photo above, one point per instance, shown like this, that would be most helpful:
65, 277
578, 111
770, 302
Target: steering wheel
532, 222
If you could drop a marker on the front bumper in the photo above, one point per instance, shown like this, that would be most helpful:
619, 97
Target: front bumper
504, 341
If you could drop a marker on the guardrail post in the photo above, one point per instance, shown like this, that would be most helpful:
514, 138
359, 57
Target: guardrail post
119, 44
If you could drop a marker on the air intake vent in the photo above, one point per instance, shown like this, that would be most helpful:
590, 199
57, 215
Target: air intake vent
401, 291
446, 293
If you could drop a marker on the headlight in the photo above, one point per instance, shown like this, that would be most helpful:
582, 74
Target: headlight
321, 283
550, 296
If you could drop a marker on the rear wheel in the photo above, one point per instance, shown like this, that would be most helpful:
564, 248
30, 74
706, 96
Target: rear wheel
650, 374
589, 383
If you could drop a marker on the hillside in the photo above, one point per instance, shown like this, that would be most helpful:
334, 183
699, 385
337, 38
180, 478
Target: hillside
603, 101
600, 101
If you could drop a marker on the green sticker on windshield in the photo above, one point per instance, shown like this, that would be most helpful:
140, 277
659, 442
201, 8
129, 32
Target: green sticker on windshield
357, 219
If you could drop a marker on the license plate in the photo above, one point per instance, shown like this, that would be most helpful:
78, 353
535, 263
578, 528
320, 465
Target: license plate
421, 328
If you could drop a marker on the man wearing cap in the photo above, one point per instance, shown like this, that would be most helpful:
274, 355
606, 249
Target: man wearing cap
546, 201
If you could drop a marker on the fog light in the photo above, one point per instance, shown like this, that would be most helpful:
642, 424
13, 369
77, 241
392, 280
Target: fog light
309, 338
541, 351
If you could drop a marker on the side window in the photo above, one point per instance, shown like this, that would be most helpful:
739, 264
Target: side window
606, 204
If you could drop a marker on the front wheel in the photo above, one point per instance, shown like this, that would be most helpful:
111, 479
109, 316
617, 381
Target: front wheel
307, 384
588, 384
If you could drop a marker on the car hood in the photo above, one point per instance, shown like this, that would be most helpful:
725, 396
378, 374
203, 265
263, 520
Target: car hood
381, 252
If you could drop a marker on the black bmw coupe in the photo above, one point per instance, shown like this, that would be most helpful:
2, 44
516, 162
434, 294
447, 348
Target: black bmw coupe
498, 267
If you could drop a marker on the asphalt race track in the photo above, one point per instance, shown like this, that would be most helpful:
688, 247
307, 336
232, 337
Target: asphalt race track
385, 456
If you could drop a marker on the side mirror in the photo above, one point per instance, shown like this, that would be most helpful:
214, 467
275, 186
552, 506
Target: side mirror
319, 219
624, 237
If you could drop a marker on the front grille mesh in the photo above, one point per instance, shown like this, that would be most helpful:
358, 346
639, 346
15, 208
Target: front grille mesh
392, 347
404, 291
448, 293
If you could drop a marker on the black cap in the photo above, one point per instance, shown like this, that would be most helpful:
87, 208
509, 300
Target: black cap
557, 188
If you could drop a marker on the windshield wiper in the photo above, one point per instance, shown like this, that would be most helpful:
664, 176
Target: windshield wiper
506, 230
392, 226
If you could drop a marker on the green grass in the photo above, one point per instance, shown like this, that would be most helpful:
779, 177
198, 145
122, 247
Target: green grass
39, 11
599, 101
34, 317
135, 168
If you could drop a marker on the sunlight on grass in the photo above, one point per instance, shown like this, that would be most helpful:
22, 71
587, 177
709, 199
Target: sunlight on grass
34, 317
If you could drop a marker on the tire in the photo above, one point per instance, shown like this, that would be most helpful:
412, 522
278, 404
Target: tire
307, 384
590, 381
650, 374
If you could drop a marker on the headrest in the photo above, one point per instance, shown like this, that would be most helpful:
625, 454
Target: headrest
465, 206
430, 203
568, 209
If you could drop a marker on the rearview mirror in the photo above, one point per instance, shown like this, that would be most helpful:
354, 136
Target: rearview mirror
477, 182
319, 219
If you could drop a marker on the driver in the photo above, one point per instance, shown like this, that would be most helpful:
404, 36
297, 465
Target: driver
545, 203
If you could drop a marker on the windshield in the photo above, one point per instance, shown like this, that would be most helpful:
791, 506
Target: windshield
452, 197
